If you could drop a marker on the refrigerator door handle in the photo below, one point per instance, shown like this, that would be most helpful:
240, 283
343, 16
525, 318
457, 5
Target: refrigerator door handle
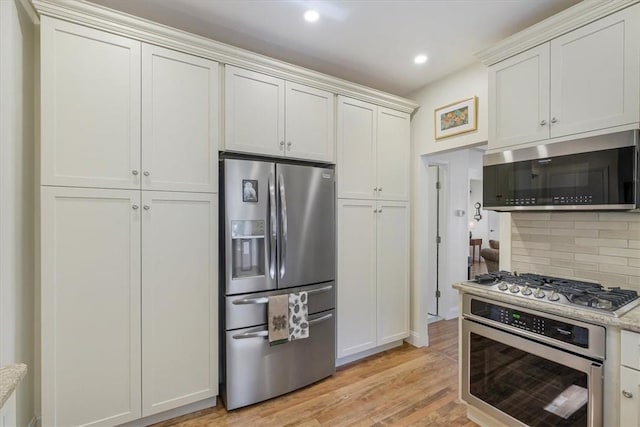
283, 224
273, 226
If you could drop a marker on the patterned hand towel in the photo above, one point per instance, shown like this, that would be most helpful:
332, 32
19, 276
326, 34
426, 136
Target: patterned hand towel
298, 322
278, 316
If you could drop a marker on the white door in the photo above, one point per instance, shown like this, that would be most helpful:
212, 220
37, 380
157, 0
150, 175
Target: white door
179, 294
254, 112
309, 123
90, 306
179, 121
594, 75
393, 271
393, 146
356, 301
90, 107
519, 98
356, 141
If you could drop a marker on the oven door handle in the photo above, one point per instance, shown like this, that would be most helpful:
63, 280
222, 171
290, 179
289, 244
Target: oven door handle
596, 378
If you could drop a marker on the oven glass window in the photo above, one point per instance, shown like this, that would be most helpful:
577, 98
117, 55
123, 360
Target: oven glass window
534, 390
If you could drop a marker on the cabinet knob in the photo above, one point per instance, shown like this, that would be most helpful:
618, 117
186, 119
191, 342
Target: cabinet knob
554, 120
375, 211
134, 172
543, 122
281, 145
289, 145
379, 188
379, 210
134, 207
627, 394
375, 189
146, 173
146, 207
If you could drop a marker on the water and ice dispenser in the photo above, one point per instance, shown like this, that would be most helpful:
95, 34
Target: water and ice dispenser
247, 246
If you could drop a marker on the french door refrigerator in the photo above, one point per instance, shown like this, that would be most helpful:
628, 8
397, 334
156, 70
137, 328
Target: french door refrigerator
277, 225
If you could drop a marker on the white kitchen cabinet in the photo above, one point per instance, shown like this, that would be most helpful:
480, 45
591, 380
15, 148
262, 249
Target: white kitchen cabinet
273, 117
373, 151
629, 378
373, 272
519, 98
583, 81
179, 121
120, 114
179, 295
90, 255
90, 102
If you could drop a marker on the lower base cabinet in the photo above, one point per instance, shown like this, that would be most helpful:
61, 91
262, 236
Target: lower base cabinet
373, 274
629, 378
128, 303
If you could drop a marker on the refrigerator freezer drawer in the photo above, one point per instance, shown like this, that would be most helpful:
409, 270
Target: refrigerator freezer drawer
256, 371
243, 311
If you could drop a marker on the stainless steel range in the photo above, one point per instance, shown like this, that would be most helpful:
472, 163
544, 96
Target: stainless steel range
525, 366
558, 291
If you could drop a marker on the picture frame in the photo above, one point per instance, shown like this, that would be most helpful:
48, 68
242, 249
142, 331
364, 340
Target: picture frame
250, 190
456, 118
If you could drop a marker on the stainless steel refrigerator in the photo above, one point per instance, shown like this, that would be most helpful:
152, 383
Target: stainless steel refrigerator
277, 225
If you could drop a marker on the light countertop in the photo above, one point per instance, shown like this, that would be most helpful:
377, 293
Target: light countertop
629, 321
10, 377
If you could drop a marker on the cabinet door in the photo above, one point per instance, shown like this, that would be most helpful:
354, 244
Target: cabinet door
90, 107
594, 75
629, 397
393, 271
309, 123
179, 121
90, 306
254, 112
179, 294
394, 144
519, 99
356, 300
356, 149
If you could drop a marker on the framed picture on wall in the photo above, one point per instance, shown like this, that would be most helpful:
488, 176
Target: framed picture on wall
456, 118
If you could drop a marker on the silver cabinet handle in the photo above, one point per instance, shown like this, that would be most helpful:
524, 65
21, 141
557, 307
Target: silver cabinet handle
245, 335
283, 225
627, 394
134, 207
246, 301
320, 290
321, 319
146, 207
554, 120
543, 122
273, 225
146, 173
134, 172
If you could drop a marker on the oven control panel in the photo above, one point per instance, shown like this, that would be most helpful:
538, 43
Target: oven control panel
534, 323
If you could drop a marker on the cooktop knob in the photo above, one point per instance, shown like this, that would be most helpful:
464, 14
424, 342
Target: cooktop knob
503, 286
554, 296
526, 290
539, 293
514, 289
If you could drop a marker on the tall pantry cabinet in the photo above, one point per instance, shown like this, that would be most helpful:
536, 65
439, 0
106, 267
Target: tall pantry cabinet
373, 226
129, 141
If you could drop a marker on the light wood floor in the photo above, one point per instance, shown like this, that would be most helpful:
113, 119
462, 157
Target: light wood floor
405, 386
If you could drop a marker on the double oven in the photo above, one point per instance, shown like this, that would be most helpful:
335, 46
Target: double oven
528, 368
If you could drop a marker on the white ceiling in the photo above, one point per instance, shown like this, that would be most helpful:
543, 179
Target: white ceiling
371, 42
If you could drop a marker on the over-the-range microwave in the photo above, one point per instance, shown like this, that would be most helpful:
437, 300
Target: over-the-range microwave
596, 173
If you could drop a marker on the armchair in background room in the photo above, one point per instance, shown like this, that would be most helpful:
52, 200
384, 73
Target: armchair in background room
491, 255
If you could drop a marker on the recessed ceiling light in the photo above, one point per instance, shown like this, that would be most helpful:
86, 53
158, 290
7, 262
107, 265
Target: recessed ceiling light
420, 59
311, 15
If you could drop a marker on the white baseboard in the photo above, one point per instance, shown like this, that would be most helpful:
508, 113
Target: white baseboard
167, 415
366, 353
416, 340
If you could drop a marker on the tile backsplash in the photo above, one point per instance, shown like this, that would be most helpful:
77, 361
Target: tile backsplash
596, 246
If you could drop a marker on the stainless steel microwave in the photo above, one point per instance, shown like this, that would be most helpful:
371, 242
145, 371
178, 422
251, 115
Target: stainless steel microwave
597, 173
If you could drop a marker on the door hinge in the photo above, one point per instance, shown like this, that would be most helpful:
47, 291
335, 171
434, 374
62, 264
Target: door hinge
437, 294
438, 239
438, 185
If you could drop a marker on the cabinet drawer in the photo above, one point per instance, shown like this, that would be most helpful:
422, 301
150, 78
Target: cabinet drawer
630, 349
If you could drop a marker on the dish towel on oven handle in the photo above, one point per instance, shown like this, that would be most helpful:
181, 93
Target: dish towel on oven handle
278, 319
298, 316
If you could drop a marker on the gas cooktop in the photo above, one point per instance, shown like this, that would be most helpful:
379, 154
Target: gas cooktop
554, 290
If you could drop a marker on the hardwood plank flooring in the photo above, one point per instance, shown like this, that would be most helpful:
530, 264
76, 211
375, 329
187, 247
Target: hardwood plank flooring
404, 386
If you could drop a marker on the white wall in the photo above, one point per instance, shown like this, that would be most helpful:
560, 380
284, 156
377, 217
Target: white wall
425, 150
17, 185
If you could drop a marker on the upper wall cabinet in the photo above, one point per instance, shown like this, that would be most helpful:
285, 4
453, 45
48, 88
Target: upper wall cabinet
273, 117
120, 114
373, 157
586, 80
